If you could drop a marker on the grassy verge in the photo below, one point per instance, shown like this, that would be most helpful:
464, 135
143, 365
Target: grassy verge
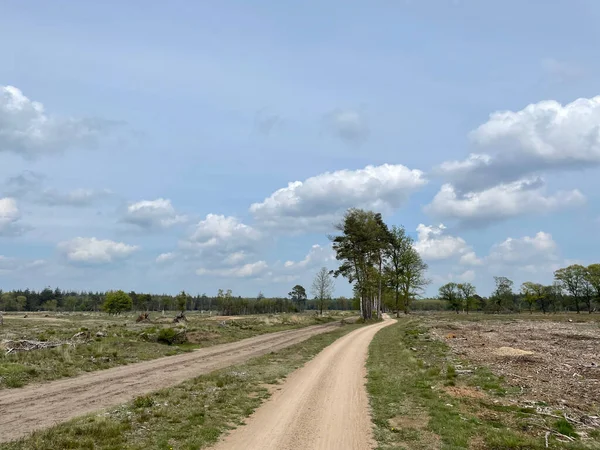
422, 398
191, 415
121, 341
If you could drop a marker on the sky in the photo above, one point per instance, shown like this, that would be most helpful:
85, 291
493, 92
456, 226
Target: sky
156, 146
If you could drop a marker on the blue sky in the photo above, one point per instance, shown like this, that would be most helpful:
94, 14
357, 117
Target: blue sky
175, 130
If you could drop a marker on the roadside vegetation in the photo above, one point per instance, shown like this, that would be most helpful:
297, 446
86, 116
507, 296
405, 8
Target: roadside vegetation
65, 345
426, 394
191, 415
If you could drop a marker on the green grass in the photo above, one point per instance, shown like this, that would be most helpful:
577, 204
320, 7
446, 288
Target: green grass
410, 377
126, 342
191, 415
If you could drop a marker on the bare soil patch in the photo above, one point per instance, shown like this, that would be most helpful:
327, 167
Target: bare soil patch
556, 363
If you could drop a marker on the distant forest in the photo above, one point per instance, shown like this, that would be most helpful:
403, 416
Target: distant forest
224, 303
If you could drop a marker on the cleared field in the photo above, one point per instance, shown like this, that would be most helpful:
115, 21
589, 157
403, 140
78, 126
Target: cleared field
80, 343
487, 382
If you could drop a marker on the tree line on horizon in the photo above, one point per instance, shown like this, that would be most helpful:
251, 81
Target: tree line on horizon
224, 302
575, 288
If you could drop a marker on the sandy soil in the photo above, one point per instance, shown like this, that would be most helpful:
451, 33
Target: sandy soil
39, 406
323, 405
554, 362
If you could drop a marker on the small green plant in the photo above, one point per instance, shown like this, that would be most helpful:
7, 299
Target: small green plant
143, 401
451, 372
167, 336
563, 426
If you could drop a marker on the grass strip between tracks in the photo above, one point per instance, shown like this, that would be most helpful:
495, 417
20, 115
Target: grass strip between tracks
421, 398
191, 415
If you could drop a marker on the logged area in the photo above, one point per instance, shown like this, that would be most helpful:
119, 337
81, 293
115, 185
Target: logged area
38, 347
189, 415
31, 408
486, 382
552, 360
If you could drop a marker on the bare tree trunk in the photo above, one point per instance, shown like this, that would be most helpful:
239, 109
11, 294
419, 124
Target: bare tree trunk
379, 295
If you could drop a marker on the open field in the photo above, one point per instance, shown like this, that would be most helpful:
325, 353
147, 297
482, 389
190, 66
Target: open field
94, 341
190, 415
448, 381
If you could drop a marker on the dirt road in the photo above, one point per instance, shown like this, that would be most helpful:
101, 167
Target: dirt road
34, 407
322, 406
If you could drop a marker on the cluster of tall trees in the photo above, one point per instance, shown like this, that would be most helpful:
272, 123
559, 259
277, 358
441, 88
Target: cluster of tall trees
575, 288
380, 261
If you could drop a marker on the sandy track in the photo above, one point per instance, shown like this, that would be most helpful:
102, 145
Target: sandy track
39, 406
321, 406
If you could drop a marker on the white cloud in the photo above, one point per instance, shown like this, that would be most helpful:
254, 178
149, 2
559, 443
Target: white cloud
165, 257
542, 136
220, 242
500, 202
349, 125
95, 251
26, 129
540, 247
235, 258
320, 201
432, 244
157, 213
317, 256
250, 270
226, 231
470, 259
9, 217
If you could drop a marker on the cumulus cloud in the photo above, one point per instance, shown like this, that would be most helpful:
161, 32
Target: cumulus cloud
9, 217
433, 244
26, 128
541, 137
165, 257
317, 202
250, 270
316, 257
149, 214
349, 125
500, 202
221, 242
218, 230
95, 251
525, 250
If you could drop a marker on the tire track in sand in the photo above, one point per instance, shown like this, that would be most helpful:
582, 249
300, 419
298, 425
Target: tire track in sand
34, 407
321, 406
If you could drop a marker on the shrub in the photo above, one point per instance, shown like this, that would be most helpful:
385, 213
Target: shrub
171, 336
167, 336
143, 401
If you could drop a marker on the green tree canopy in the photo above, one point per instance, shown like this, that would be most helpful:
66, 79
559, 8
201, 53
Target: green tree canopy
117, 302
